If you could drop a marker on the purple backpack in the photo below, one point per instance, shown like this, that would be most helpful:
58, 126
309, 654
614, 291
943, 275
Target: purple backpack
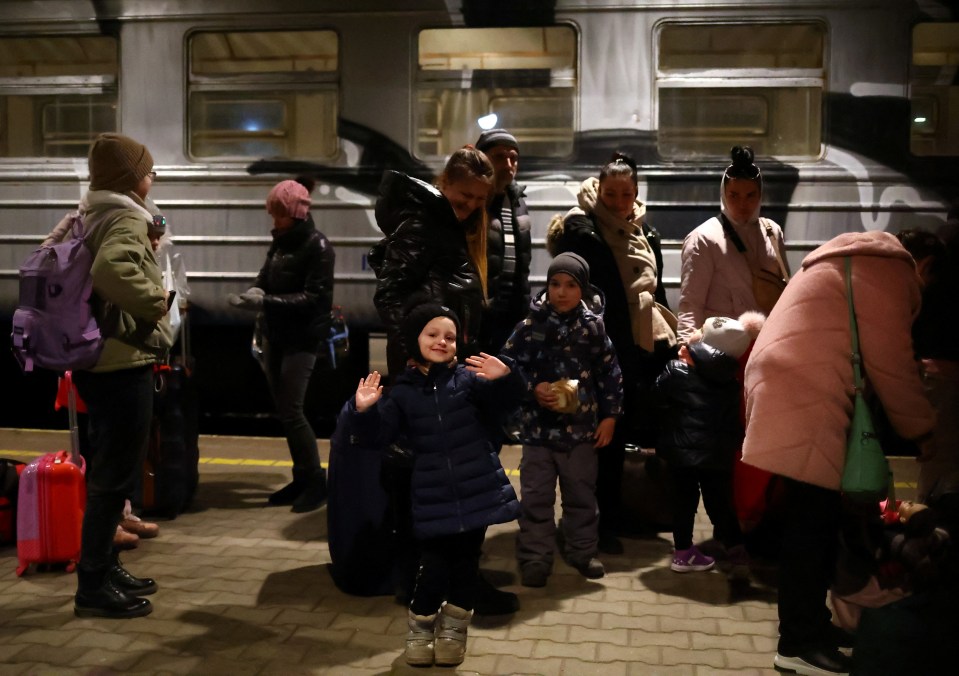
54, 326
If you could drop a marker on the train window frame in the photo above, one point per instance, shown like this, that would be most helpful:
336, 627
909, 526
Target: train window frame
807, 82
42, 84
432, 84
289, 87
934, 100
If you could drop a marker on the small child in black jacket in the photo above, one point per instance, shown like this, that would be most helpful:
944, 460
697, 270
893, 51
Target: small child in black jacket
701, 430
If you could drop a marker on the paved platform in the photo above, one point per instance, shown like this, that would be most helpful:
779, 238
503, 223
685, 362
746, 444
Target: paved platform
244, 589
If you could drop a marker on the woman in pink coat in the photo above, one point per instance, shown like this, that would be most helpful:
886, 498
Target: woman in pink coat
799, 394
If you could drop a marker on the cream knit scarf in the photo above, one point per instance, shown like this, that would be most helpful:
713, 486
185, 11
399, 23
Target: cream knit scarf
650, 321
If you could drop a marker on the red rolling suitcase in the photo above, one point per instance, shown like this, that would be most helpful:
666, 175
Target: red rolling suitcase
50, 502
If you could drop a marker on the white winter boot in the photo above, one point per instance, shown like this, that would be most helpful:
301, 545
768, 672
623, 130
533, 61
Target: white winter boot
451, 629
419, 640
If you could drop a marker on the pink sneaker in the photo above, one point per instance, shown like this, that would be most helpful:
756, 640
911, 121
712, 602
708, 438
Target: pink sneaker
691, 560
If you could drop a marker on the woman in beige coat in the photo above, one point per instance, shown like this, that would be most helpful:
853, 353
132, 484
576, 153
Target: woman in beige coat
799, 401
717, 278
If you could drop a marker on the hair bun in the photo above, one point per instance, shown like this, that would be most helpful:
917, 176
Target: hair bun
620, 156
742, 156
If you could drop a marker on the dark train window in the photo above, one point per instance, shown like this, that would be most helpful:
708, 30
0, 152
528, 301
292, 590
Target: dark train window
934, 92
720, 84
57, 93
264, 94
470, 79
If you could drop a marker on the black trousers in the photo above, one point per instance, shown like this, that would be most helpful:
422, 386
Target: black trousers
717, 490
449, 566
120, 407
810, 541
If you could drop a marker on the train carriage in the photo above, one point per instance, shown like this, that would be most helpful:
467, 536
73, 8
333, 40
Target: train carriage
851, 105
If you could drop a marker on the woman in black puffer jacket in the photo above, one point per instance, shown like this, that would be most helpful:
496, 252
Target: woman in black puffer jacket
294, 291
434, 249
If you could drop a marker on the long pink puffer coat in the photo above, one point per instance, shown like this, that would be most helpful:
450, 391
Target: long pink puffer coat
799, 379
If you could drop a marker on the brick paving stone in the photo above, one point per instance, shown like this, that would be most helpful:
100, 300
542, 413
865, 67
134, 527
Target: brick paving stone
677, 639
611, 636
702, 641
676, 670
481, 645
738, 659
727, 627
712, 658
581, 650
366, 623
643, 622
649, 654
246, 589
709, 626
98, 639
555, 632
514, 665
578, 619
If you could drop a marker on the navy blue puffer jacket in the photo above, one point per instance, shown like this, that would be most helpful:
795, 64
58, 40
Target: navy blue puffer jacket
458, 483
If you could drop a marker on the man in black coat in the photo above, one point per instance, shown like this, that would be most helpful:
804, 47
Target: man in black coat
508, 244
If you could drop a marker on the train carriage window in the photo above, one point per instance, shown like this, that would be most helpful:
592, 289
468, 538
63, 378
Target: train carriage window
264, 94
934, 92
526, 77
719, 84
57, 93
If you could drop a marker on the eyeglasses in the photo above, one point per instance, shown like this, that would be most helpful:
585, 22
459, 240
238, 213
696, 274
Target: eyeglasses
152, 175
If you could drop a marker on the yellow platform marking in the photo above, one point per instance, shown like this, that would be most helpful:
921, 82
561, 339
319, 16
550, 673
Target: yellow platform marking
257, 462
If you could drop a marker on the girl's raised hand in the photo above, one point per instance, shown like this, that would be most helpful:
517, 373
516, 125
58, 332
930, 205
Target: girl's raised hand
486, 366
368, 392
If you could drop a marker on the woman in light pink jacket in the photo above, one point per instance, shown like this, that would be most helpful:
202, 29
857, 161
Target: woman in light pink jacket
799, 394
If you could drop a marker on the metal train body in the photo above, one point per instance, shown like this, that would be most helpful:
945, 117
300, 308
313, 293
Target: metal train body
827, 92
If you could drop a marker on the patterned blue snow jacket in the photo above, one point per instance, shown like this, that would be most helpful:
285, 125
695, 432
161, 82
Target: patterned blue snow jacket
548, 346
458, 483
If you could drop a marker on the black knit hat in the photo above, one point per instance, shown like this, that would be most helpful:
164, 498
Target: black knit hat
496, 137
416, 319
573, 265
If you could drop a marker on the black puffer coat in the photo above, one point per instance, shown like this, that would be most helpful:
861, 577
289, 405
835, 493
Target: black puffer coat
297, 278
458, 483
699, 407
425, 256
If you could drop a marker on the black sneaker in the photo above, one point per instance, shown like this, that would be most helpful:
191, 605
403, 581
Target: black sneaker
816, 662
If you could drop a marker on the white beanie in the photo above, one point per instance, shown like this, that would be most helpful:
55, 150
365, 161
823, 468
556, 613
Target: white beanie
726, 335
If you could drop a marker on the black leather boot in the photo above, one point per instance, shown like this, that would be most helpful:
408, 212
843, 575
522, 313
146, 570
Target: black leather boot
313, 495
98, 596
287, 494
123, 580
